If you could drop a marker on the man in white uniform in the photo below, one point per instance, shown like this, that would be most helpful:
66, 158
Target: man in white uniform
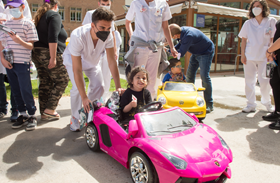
103, 60
87, 44
151, 21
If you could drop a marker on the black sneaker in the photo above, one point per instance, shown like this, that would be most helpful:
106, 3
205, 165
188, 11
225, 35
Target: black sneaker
32, 123
274, 116
275, 126
21, 120
14, 116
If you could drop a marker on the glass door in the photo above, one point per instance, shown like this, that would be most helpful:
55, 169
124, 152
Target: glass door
209, 28
227, 43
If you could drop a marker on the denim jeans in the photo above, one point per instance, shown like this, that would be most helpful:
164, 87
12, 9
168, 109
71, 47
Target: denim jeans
3, 97
204, 62
19, 78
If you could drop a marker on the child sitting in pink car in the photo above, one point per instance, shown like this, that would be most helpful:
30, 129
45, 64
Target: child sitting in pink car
136, 95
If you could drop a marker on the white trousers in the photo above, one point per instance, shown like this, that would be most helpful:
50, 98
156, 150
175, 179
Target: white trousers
106, 74
145, 57
95, 88
251, 69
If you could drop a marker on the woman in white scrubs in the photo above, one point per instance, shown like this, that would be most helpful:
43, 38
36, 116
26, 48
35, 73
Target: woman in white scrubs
257, 35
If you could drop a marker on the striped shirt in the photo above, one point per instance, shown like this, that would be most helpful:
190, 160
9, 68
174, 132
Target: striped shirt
26, 30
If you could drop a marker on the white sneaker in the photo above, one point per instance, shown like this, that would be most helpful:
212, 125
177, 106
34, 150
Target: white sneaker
269, 108
74, 124
248, 109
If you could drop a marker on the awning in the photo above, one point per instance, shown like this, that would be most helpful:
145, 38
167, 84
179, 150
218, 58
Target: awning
174, 9
223, 10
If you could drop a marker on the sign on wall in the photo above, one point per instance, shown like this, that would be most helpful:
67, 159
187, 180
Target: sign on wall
199, 20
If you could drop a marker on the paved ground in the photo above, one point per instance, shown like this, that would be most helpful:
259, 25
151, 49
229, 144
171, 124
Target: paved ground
52, 153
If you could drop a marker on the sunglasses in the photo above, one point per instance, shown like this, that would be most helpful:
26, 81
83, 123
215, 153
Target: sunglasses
178, 66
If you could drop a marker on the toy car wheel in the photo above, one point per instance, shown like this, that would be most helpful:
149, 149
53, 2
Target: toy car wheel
92, 137
142, 169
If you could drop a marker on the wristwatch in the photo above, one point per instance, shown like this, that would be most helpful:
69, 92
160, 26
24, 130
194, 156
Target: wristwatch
268, 52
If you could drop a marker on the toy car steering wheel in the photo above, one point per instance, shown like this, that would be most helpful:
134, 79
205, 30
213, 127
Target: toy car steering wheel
156, 106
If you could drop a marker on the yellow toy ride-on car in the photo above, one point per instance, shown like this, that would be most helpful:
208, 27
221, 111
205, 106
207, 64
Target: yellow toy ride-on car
184, 95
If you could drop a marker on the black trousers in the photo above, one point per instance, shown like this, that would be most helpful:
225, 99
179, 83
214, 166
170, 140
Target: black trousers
275, 85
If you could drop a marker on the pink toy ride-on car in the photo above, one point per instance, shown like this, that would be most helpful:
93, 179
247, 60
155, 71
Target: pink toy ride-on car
166, 146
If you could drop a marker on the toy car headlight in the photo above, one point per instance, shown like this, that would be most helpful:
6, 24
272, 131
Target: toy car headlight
177, 162
162, 100
200, 101
224, 144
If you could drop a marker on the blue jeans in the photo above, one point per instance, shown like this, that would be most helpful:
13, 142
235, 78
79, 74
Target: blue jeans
19, 78
3, 97
204, 62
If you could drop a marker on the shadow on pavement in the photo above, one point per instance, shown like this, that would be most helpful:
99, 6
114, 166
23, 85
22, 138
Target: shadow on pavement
61, 145
263, 142
5, 127
64, 112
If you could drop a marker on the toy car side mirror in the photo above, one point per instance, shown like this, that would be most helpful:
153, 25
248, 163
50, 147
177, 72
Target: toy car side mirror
201, 89
194, 117
132, 129
160, 87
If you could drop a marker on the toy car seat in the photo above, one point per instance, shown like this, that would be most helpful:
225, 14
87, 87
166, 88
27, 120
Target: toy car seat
113, 103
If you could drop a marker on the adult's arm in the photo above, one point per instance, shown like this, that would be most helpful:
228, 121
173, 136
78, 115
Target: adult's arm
177, 46
243, 47
113, 67
128, 27
167, 35
54, 28
79, 80
185, 44
115, 45
275, 46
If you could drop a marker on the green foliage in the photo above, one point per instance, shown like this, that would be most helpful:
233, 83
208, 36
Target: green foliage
35, 85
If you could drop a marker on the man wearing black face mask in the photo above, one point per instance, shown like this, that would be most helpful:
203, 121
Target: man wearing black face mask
87, 44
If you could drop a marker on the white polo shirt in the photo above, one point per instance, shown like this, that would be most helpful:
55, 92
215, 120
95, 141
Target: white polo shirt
258, 37
88, 20
81, 44
149, 18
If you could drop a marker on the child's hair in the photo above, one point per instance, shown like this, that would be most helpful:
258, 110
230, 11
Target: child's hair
133, 73
173, 62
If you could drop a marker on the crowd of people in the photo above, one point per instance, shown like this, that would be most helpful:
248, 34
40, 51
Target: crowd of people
94, 48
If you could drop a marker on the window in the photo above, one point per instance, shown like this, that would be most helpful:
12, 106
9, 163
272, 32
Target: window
61, 12
246, 6
75, 14
72, 14
79, 15
273, 11
232, 4
35, 7
180, 20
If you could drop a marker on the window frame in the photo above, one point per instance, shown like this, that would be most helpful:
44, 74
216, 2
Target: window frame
72, 10
32, 7
61, 9
79, 10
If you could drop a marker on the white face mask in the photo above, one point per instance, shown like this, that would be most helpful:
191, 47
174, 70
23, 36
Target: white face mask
107, 7
257, 11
